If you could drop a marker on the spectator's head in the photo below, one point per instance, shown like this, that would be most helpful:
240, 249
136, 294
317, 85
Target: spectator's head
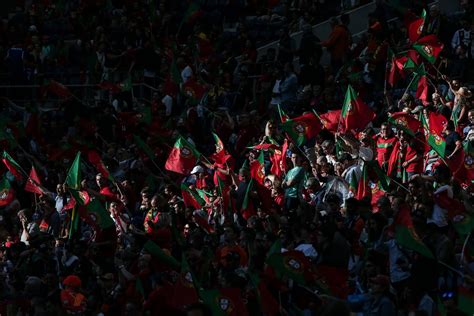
345, 20
328, 147
470, 116
296, 159
379, 284
434, 11
385, 130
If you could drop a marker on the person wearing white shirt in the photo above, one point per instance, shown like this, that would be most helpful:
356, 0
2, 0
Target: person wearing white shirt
463, 36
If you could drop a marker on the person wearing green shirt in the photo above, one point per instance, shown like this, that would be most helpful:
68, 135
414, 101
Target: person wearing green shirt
294, 182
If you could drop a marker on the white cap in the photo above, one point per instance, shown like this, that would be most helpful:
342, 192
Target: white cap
197, 169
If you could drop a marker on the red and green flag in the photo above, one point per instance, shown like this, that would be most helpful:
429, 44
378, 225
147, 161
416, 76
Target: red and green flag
95, 159
182, 158
191, 198
429, 47
220, 156
269, 306
33, 184
416, 27
302, 128
406, 235
12, 166
257, 168
186, 287
99, 215
202, 222
192, 13
466, 300
405, 122
330, 120
420, 83
73, 178
158, 253
248, 209
433, 132
224, 301
57, 89
7, 194
355, 113
363, 187
283, 116
291, 264
194, 90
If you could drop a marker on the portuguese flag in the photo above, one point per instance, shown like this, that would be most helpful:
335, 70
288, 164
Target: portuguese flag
224, 301
12, 165
420, 82
57, 89
192, 13
182, 158
283, 116
191, 198
405, 122
73, 178
95, 159
433, 132
330, 120
302, 128
406, 235
363, 187
392, 73
416, 27
292, 264
268, 304
248, 210
403, 64
33, 184
466, 300
355, 113
220, 156
429, 47
155, 250
257, 168
99, 215
7, 195
185, 288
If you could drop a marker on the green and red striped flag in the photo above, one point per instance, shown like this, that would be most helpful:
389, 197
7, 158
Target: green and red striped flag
433, 132
466, 300
429, 47
420, 83
283, 116
33, 184
291, 264
363, 187
191, 198
99, 215
192, 13
73, 178
56, 88
257, 168
405, 122
248, 209
144, 147
406, 235
7, 194
416, 27
220, 156
182, 158
95, 159
330, 120
302, 128
155, 250
224, 301
12, 166
355, 113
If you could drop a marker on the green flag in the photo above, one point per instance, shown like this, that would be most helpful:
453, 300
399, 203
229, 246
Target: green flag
99, 215
159, 254
73, 178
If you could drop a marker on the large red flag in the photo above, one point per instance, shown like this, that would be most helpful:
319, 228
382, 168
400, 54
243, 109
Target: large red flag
33, 184
330, 120
182, 158
355, 113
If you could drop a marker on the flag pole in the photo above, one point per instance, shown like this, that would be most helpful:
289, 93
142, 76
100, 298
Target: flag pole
409, 85
464, 247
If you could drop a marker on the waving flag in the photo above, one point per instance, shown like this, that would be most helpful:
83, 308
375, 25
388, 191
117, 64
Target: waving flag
355, 113
429, 47
182, 158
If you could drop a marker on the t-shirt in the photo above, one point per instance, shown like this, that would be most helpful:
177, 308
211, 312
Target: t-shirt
296, 175
384, 148
417, 165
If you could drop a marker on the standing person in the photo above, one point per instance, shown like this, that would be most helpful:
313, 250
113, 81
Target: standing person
288, 86
29, 228
384, 141
72, 300
293, 183
338, 42
382, 304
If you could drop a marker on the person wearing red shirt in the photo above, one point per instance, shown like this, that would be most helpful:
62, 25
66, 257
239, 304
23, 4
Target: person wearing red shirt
384, 141
413, 160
